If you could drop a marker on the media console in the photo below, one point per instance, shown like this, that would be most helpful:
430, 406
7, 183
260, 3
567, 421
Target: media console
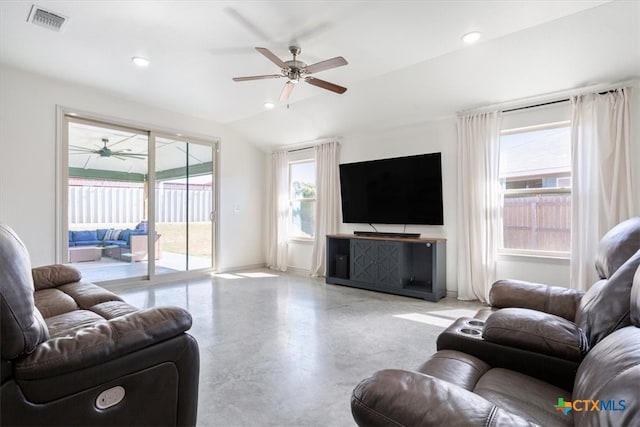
414, 267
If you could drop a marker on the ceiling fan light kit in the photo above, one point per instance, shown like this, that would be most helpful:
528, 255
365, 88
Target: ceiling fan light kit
296, 71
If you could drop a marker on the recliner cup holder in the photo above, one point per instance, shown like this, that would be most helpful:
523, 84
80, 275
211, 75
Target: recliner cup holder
469, 331
475, 322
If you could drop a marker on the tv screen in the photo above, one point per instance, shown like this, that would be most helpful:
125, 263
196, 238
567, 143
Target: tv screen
402, 190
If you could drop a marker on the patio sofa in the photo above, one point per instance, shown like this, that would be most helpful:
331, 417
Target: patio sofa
121, 244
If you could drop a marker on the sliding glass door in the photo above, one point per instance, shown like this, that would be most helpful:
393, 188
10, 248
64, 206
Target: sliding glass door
184, 203
136, 203
107, 169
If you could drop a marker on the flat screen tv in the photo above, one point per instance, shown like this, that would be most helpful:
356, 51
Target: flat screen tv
401, 190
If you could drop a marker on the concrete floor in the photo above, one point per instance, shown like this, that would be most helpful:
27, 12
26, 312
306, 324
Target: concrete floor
287, 350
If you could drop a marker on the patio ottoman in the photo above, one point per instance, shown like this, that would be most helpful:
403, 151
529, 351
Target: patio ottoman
85, 253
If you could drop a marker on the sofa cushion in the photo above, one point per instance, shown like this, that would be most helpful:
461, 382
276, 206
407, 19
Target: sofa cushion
52, 302
393, 397
536, 331
124, 235
100, 232
616, 246
605, 307
88, 243
522, 395
556, 300
22, 326
84, 235
119, 243
456, 368
611, 373
50, 276
66, 323
111, 234
87, 295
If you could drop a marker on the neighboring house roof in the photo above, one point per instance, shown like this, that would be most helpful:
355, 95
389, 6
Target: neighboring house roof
542, 152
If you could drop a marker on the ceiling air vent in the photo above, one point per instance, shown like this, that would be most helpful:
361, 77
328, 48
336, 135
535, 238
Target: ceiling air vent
47, 19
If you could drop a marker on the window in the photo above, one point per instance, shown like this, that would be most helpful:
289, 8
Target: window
535, 173
302, 198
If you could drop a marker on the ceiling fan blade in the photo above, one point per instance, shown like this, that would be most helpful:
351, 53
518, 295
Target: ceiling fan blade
338, 61
286, 91
130, 155
245, 22
326, 85
125, 139
79, 148
272, 57
266, 76
86, 163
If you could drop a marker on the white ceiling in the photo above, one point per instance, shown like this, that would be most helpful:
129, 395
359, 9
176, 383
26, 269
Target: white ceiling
407, 63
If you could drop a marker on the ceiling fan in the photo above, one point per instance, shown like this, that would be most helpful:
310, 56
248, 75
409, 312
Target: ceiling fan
297, 71
105, 151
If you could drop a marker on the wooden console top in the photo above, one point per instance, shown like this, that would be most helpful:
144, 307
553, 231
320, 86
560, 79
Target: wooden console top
395, 239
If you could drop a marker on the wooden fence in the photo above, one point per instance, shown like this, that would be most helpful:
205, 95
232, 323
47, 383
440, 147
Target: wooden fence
538, 222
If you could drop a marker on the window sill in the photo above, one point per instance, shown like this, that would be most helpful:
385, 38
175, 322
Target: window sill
303, 240
549, 256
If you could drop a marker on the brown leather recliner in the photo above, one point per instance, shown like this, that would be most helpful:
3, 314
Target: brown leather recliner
545, 331
456, 389
74, 353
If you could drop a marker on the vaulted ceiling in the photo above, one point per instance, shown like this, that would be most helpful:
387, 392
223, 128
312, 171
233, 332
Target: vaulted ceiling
407, 63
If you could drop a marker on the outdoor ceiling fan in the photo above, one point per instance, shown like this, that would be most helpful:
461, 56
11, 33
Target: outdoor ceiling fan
105, 151
297, 71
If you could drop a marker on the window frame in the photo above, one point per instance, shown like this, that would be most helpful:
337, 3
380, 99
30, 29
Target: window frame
300, 157
504, 192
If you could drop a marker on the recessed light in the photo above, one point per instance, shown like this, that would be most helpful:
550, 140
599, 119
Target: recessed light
471, 37
269, 105
140, 61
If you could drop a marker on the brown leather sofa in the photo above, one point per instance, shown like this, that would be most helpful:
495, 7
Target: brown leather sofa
545, 331
453, 388
74, 353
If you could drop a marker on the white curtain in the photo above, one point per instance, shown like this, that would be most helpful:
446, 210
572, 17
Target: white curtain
277, 241
478, 204
602, 193
327, 202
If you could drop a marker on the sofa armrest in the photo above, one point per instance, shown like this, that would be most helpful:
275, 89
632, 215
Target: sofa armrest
51, 276
536, 331
395, 397
555, 300
103, 342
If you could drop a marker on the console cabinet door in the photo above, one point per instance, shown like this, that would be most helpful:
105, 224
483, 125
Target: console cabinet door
363, 261
389, 262
376, 262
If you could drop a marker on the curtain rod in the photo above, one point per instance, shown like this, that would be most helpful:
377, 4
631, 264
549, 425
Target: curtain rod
290, 148
537, 105
300, 149
553, 102
551, 97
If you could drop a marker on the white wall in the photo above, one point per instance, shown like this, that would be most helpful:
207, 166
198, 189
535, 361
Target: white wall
441, 136
28, 164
